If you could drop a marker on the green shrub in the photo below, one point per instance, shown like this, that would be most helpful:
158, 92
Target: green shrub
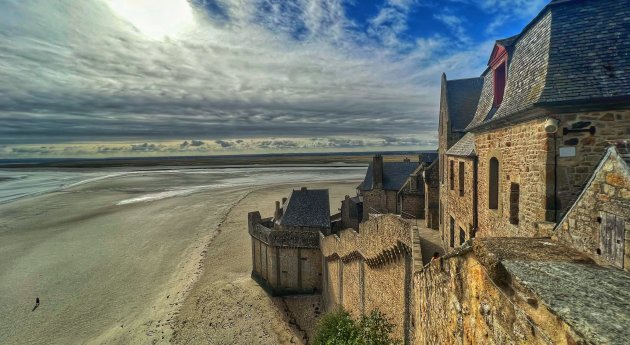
338, 328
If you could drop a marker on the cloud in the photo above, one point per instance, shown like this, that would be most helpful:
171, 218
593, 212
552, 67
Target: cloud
218, 147
455, 24
81, 71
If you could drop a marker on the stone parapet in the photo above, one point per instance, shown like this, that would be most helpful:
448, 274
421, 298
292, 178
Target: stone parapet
380, 239
285, 238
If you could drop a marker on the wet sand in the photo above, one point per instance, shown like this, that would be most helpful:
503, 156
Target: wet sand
117, 273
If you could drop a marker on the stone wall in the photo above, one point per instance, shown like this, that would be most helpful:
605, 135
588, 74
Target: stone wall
539, 164
432, 195
351, 213
460, 207
286, 270
378, 201
607, 193
371, 269
284, 261
458, 300
574, 171
523, 154
411, 205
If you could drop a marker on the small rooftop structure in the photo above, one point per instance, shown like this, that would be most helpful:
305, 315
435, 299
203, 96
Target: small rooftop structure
392, 175
465, 147
308, 208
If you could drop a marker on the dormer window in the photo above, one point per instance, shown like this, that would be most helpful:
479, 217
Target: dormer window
498, 64
500, 74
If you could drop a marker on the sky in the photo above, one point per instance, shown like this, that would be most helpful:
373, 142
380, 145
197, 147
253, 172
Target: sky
170, 77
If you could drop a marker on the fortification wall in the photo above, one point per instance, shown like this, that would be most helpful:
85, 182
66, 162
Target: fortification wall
458, 302
371, 269
285, 262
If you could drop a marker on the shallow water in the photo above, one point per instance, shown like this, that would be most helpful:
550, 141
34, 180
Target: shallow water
16, 184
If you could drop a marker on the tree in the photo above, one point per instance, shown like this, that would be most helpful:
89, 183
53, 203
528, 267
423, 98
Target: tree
338, 328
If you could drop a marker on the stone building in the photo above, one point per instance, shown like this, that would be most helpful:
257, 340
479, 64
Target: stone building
285, 248
549, 102
394, 187
351, 212
532, 188
598, 223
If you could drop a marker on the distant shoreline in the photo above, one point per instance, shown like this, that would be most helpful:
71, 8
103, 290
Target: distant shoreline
343, 159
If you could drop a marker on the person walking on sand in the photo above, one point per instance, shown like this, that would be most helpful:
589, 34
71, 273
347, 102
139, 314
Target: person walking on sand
36, 303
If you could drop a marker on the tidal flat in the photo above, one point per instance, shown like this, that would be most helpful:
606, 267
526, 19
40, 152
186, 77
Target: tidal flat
114, 260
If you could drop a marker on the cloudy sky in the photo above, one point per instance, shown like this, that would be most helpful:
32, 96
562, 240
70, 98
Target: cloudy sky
121, 77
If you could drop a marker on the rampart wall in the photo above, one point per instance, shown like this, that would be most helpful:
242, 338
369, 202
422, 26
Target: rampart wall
371, 269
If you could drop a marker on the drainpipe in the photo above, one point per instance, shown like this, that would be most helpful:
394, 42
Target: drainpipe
475, 187
551, 127
555, 177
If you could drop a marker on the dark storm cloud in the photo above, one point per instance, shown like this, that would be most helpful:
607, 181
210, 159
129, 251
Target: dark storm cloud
232, 74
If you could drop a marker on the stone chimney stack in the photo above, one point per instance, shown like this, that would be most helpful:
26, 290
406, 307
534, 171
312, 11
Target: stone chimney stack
276, 214
284, 201
377, 172
420, 159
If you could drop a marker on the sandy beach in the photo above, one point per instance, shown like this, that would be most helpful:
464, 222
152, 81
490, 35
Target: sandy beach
115, 261
226, 306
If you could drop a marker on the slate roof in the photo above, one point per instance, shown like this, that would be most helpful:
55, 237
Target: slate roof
462, 98
593, 300
575, 52
464, 147
395, 174
308, 208
429, 157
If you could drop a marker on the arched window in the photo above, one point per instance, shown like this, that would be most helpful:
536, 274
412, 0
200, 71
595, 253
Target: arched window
493, 184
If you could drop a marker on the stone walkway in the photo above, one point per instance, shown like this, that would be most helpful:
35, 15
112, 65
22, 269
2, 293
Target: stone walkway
429, 240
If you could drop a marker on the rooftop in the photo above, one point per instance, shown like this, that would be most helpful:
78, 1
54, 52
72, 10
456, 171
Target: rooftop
464, 147
570, 57
395, 174
307, 208
462, 98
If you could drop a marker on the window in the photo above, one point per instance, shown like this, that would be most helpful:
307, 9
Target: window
451, 175
493, 184
452, 232
461, 178
462, 236
514, 197
500, 73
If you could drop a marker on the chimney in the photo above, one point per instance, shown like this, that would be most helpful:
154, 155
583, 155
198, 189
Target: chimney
276, 215
406, 160
377, 172
303, 189
284, 201
420, 159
